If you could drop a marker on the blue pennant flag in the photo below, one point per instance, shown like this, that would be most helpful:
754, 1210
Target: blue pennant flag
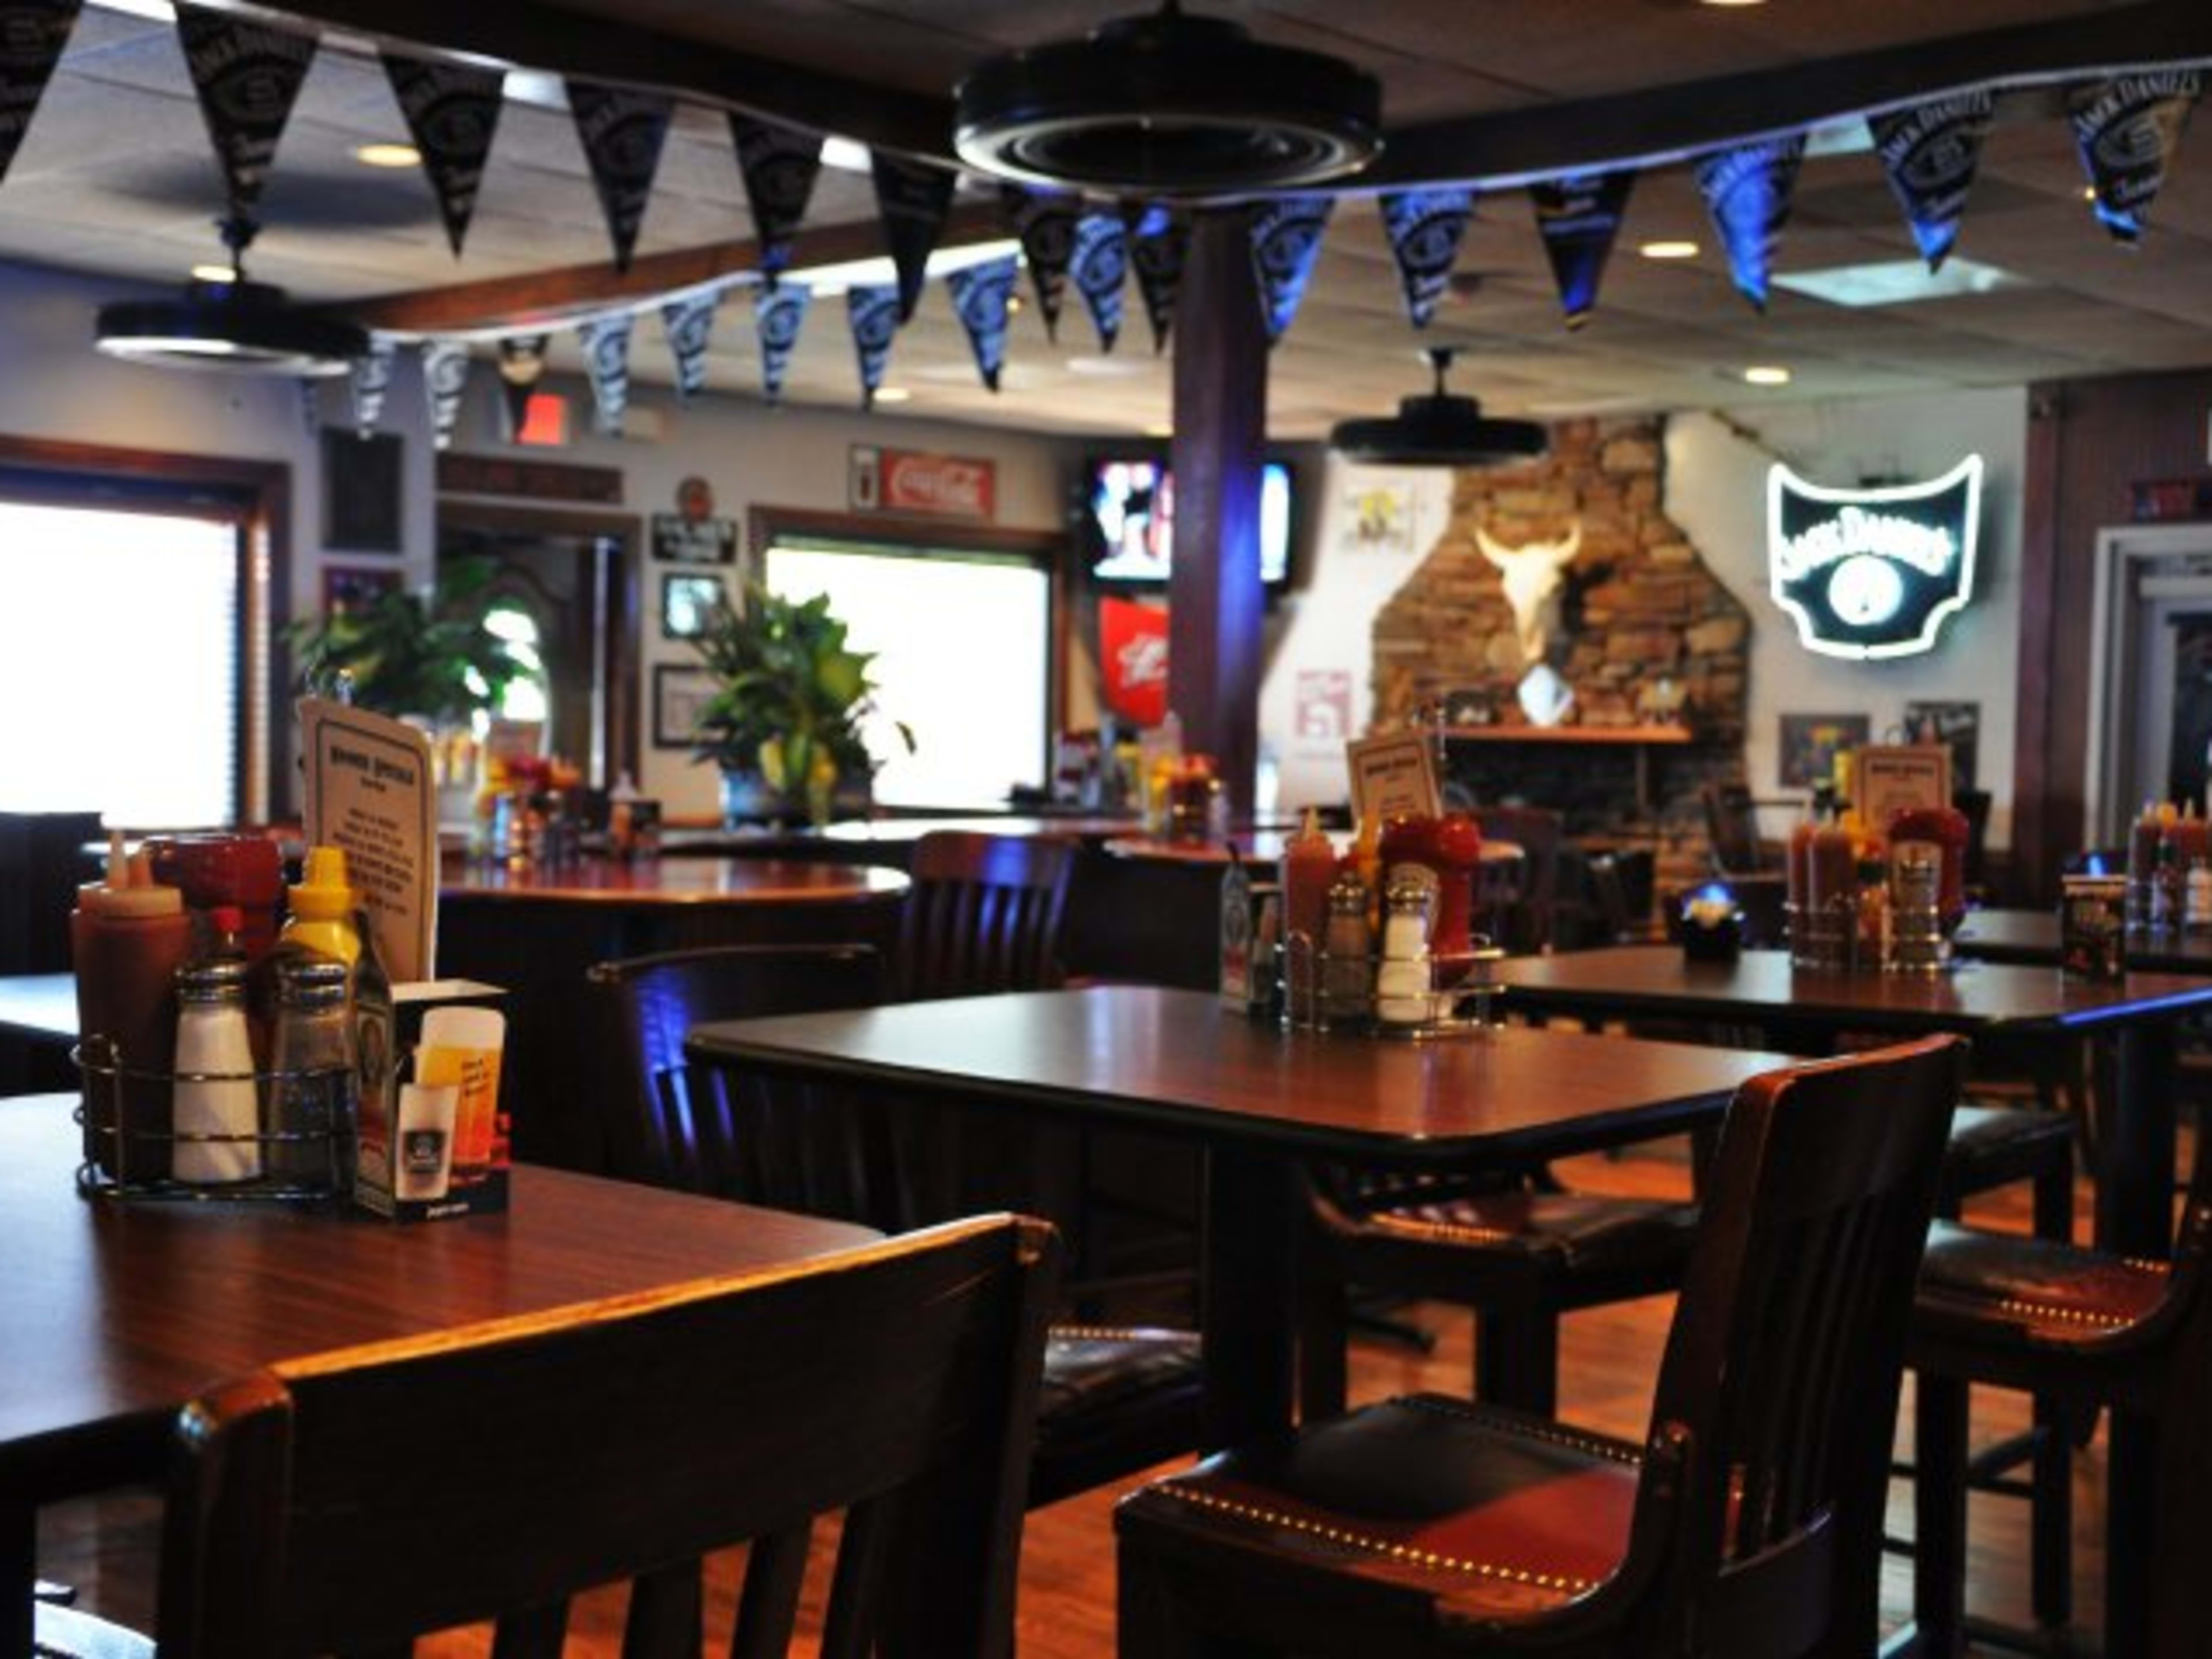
1746, 191
779, 313
1101, 263
2126, 129
981, 295
606, 365
1425, 227
1930, 154
1286, 243
874, 314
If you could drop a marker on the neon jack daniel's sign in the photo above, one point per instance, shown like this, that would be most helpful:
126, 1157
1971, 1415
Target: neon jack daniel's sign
1872, 573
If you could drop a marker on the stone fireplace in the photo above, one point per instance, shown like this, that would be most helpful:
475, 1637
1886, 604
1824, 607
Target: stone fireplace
1651, 644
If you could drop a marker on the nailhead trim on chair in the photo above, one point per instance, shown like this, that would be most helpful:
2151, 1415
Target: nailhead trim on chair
1112, 1334
1347, 1538
2056, 1315
1414, 1227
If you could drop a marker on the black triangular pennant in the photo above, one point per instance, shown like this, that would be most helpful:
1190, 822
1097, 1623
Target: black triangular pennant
2126, 129
1747, 191
688, 322
1046, 223
1285, 242
874, 314
779, 166
451, 111
606, 365
1157, 248
1100, 266
1424, 227
444, 378
621, 131
779, 313
981, 295
1929, 153
1578, 217
247, 77
913, 200
31, 36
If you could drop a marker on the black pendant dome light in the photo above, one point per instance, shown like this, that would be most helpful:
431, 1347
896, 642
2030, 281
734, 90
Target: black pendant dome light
1438, 429
1167, 105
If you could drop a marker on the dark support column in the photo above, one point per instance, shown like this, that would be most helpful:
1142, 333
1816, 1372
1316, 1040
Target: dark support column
1215, 595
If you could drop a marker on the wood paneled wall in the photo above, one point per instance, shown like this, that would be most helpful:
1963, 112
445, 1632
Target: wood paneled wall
2089, 442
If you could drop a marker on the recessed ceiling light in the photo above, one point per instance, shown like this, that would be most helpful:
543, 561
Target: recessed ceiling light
1766, 374
387, 155
213, 274
1666, 250
893, 394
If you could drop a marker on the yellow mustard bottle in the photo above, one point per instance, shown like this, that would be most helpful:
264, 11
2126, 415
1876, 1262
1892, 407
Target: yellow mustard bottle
322, 907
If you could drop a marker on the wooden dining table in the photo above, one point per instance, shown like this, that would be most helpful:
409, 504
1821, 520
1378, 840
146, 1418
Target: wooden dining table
2031, 938
114, 1314
1258, 1100
1804, 1012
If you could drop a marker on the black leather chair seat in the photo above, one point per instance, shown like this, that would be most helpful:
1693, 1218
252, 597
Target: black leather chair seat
1994, 1145
1109, 1394
1570, 1232
2005, 1288
1441, 1508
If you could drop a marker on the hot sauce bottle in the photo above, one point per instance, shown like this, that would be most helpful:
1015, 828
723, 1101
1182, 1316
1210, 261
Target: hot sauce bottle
128, 937
1945, 826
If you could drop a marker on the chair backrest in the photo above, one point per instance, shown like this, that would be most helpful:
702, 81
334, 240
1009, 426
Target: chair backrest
1526, 924
661, 1124
984, 914
1758, 1529
346, 1503
1732, 826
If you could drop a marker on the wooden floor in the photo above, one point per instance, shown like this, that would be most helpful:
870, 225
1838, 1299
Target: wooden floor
1609, 1356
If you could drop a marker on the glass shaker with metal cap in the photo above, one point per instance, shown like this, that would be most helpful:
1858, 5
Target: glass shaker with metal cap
310, 1119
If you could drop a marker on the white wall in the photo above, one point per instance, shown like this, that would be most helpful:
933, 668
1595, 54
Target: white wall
1716, 492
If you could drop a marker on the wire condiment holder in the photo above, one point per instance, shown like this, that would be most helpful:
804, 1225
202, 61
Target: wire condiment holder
132, 1145
1323, 992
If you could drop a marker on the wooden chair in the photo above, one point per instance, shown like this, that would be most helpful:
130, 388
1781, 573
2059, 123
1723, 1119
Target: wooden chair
1115, 1399
1732, 828
2082, 1331
986, 912
347, 1504
1746, 1524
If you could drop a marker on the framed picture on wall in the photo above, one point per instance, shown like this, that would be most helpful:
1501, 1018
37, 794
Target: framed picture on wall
350, 589
680, 691
1810, 743
1956, 726
687, 599
361, 490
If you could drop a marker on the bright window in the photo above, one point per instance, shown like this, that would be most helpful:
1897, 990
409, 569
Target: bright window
964, 650
119, 673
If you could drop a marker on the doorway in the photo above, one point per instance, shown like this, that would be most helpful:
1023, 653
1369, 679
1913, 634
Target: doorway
571, 579
2150, 711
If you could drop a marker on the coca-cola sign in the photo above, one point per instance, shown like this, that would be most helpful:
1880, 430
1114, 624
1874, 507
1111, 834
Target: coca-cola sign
929, 486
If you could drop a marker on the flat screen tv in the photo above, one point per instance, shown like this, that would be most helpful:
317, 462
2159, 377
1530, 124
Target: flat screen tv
1127, 518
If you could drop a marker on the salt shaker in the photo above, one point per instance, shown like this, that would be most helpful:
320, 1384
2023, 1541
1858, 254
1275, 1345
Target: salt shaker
215, 1108
1402, 983
311, 1109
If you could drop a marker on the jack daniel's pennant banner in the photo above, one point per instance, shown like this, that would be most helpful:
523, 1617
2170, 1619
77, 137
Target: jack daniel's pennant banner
621, 132
248, 78
981, 294
452, 111
1425, 227
1158, 245
1748, 190
913, 200
607, 362
1102, 262
779, 167
1285, 242
874, 312
311, 403
688, 322
367, 379
444, 377
778, 315
521, 365
1046, 223
1930, 154
31, 36
1578, 217
2126, 129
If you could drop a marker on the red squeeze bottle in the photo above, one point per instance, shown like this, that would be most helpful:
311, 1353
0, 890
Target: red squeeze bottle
1459, 851
128, 937
1308, 866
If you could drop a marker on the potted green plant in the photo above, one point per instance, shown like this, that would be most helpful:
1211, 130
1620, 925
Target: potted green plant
784, 720
427, 656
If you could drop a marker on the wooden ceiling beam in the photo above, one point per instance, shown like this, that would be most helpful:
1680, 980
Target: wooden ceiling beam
550, 298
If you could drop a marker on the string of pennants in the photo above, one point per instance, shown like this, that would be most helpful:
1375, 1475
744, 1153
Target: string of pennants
247, 75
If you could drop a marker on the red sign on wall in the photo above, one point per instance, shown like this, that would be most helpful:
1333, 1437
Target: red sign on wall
929, 486
1132, 652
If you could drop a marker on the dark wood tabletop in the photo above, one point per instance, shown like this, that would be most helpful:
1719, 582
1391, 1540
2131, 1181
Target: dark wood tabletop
1804, 1012
2031, 937
709, 881
1260, 1100
113, 1314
